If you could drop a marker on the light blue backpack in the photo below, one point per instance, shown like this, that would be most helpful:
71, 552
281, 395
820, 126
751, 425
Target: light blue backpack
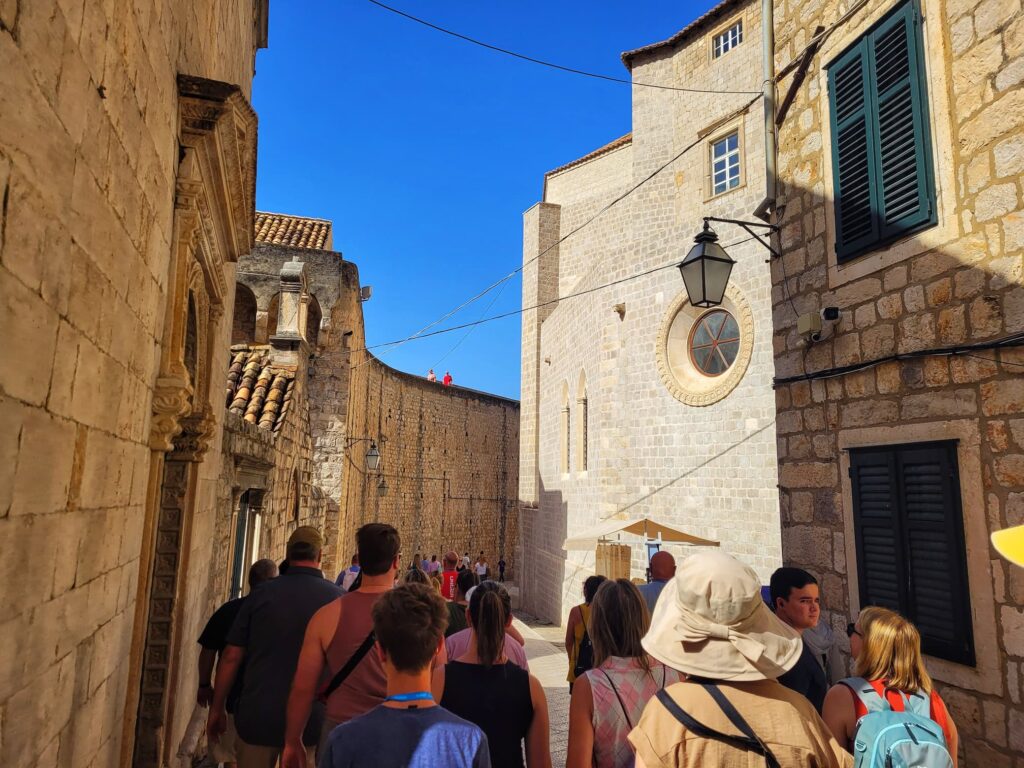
885, 738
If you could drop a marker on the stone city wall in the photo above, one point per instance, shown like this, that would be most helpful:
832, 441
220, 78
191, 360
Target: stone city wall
956, 283
88, 161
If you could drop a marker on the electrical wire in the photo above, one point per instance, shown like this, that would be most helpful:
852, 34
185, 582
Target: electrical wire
471, 329
542, 62
543, 304
422, 332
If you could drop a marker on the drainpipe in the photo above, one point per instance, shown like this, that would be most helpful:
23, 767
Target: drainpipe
768, 53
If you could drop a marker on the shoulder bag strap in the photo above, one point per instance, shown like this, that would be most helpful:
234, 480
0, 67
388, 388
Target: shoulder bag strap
350, 665
622, 705
698, 728
737, 719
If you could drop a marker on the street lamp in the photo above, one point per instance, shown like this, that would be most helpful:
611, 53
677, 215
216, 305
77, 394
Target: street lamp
382, 488
707, 267
373, 459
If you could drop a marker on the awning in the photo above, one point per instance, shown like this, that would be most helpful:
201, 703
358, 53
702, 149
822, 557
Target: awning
642, 527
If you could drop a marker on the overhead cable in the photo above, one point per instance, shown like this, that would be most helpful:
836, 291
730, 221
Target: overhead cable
542, 62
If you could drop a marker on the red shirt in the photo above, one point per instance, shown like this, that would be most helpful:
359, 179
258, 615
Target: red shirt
938, 711
447, 380
448, 584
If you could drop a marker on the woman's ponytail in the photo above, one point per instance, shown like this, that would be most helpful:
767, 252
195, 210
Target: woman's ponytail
489, 610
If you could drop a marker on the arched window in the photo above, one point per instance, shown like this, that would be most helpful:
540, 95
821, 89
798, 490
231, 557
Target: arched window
566, 430
314, 316
192, 343
243, 328
272, 315
582, 424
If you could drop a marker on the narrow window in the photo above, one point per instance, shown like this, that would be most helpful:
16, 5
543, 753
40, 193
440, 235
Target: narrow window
582, 424
725, 163
565, 436
726, 40
911, 555
882, 177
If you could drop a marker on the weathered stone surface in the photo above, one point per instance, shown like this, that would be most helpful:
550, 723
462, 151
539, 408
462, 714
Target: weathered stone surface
1005, 396
961, 402
996, 201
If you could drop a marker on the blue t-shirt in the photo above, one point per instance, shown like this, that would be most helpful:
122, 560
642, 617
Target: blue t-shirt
386, 737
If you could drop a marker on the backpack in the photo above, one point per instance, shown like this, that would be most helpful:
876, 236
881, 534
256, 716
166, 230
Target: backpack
585, 656
887, 738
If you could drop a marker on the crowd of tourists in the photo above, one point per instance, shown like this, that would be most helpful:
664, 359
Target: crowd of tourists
422, 666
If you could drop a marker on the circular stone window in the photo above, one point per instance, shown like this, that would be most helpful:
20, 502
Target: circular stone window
703, 354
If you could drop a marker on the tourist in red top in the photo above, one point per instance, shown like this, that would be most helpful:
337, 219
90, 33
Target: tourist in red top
447, 380
449, 575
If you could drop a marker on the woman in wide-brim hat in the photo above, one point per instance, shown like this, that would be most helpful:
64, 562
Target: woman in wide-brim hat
712, 624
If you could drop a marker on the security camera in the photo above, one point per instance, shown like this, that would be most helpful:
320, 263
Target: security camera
830, 314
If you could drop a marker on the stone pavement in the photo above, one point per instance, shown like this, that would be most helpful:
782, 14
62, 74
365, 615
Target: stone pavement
548, 663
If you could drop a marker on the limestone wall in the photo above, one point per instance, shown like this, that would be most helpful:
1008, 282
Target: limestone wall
88, 161
958, 282
710, 467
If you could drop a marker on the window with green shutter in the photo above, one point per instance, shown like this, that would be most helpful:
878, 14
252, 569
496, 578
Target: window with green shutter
882, 177
910, 542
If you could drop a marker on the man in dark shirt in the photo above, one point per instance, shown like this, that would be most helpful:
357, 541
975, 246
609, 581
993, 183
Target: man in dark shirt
409, 728
268, 634
796, 600
213, 639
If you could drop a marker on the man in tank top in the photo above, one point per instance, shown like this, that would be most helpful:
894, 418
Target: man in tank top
338, 632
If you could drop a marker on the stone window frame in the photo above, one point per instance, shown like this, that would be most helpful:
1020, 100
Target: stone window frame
565, 433
714, 133
722, 29
582, 426
940, 126
986, 675
700, 389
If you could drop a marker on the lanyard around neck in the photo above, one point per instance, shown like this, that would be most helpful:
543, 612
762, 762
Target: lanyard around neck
414, 696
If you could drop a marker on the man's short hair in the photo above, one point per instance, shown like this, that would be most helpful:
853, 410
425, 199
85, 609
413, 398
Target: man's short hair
303, 552
785, 580
262, 571
378, 545
466, 580
409, 622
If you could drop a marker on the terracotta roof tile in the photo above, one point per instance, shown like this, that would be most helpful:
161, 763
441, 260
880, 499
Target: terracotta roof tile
610, 146
256, 390
627, 57
294, 231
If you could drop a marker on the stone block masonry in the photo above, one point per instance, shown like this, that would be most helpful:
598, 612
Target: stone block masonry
955, 283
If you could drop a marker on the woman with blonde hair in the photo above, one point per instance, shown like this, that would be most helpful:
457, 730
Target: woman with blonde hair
887, 650
608, 700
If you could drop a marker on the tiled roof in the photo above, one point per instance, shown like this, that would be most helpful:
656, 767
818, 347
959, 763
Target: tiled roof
611, 145
294, 231
627, 57
256, 391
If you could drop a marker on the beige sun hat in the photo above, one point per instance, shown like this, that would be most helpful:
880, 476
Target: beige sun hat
710, 621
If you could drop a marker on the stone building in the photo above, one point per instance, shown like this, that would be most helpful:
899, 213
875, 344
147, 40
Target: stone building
629, 407
900, 432
127, 174
447, 477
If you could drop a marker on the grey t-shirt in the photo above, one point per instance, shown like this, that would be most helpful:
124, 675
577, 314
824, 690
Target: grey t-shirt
270, 627
430, 737
651, 592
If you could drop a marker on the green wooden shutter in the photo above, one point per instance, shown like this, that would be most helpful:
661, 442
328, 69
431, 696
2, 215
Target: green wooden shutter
906, 192
876, 523
881, 144
939, 600
853, 166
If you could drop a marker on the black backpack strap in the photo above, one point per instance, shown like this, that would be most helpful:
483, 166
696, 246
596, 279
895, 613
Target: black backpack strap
745, 742
350, 665
737, 719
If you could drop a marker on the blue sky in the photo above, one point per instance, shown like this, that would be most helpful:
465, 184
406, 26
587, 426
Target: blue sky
425, 150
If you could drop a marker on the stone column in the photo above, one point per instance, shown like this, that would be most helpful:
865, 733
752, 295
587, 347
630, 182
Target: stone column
288, 344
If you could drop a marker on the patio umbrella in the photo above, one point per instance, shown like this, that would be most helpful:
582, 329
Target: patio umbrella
643, 526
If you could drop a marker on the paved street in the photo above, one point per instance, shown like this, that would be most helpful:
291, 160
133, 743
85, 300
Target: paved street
548, 663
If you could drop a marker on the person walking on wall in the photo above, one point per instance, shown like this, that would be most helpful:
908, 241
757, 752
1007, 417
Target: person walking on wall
447, 381
796, 600
712, 625
578, 645
608, 700
487, 689
268, 635
431, 376
213, 640
409, 728
663, 568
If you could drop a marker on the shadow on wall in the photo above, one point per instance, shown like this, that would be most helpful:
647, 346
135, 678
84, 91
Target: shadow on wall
543, 564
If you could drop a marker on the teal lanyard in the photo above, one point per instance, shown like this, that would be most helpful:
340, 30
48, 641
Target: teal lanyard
415, 696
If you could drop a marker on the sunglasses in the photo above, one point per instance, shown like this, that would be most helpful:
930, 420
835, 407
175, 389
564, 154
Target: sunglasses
851, 630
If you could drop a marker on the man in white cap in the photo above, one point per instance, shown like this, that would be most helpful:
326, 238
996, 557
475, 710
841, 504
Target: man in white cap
712, 624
